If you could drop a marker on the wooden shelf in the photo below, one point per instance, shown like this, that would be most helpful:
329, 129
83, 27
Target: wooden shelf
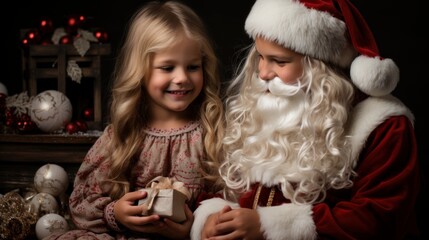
49, 138
44, 148
22, 155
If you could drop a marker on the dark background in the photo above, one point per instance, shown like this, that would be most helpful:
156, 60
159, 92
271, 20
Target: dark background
398, 27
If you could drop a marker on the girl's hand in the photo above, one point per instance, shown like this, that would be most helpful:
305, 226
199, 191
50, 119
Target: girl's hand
210, 225
173, 230
209, 229
130, 215
239, 223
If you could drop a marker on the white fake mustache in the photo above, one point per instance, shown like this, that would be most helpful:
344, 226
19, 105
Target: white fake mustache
278, 103
276, 86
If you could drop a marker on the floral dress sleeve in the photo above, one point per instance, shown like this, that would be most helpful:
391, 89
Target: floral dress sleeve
88, 201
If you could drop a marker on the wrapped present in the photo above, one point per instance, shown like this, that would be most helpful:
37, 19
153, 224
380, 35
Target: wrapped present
166, 198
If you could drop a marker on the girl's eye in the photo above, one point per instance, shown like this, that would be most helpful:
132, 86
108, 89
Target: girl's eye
280, 62
194, 67
167, 68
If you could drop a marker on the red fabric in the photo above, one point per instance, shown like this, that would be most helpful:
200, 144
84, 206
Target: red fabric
359, 32
247, 199
325, 6
203, 196
381, 203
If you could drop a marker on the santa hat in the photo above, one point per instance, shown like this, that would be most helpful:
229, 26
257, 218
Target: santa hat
330, 30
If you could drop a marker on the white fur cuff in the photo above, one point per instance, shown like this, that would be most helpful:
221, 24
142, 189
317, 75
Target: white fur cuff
207, 208
287, 221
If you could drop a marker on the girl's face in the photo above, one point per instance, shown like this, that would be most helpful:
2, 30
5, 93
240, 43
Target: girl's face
176, 79
278, 61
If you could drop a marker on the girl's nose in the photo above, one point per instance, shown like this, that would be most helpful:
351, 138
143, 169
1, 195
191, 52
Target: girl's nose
181, 76
265, 71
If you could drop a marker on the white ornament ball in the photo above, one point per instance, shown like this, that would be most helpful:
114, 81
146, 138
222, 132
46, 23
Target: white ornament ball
44, 203
51, 110
49, 224
3, 89
52, 179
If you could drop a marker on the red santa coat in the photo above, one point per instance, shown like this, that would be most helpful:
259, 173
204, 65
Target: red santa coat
380, 205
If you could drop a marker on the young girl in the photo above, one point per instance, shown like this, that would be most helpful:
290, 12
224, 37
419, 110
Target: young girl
166, 120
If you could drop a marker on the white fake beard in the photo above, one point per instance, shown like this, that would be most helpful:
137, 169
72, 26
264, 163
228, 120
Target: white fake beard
278, 105
275, 121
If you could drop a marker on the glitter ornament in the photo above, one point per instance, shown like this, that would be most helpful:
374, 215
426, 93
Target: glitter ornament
15, 221
81, 125
102, 36
51, 110
33, 36
43, 203
71, 128
49, 224
88, 114
24, 123
46, 26
52, 179
66, 39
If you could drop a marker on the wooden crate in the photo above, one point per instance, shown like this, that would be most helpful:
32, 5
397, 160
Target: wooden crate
45, 68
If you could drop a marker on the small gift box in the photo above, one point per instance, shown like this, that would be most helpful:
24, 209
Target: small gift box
166, 198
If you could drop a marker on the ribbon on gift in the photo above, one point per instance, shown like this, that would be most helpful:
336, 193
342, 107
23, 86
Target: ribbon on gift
159, 183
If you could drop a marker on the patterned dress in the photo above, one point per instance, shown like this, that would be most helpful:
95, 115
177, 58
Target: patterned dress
176, 153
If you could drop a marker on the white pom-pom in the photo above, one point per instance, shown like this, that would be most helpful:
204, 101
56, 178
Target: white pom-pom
374, 76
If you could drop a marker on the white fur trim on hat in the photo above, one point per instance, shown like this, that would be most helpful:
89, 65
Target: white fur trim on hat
306, 31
